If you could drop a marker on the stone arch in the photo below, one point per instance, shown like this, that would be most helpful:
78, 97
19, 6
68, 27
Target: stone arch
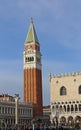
60, 108
77, 119
28, 59
64, 108
72, 108
68, 108
53, 108
70, 120
55, 121
79, 107
62, 120
32, 58
76, 108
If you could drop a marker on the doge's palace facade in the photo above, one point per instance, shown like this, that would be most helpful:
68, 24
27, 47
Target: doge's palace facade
65, 97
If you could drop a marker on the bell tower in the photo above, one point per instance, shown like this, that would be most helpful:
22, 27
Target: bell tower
33, 71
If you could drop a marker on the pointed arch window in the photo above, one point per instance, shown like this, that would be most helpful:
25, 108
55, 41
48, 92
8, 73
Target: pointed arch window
63, 91
79, 90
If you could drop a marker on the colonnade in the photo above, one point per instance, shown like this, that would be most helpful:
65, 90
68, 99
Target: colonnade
66, 111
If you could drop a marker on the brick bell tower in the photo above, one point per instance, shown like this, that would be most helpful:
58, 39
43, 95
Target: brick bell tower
33, 71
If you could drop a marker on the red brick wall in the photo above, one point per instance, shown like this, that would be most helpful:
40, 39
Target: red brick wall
33, 89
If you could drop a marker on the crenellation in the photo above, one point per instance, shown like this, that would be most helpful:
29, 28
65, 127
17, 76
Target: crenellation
65, 74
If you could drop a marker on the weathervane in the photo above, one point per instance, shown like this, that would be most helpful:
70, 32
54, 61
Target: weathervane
31, 20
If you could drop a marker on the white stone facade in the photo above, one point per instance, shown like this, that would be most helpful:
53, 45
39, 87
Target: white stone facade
65, 97
7, 113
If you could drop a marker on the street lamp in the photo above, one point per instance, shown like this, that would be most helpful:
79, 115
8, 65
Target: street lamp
33, 123
16, 108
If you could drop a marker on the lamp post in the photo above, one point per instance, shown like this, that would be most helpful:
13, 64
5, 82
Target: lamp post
16, 108
33, 123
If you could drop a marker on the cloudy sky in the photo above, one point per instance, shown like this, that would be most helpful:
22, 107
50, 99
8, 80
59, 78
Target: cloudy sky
58, 27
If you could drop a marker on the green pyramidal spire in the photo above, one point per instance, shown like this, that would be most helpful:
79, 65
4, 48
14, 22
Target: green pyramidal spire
31, 36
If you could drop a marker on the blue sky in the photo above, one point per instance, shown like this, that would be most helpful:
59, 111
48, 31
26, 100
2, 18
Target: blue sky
58, 27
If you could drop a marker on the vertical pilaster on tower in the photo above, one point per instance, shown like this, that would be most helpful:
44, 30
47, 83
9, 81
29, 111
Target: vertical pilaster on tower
33, 70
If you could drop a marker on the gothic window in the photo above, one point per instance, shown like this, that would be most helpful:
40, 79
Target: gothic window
62, 91
79, 90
